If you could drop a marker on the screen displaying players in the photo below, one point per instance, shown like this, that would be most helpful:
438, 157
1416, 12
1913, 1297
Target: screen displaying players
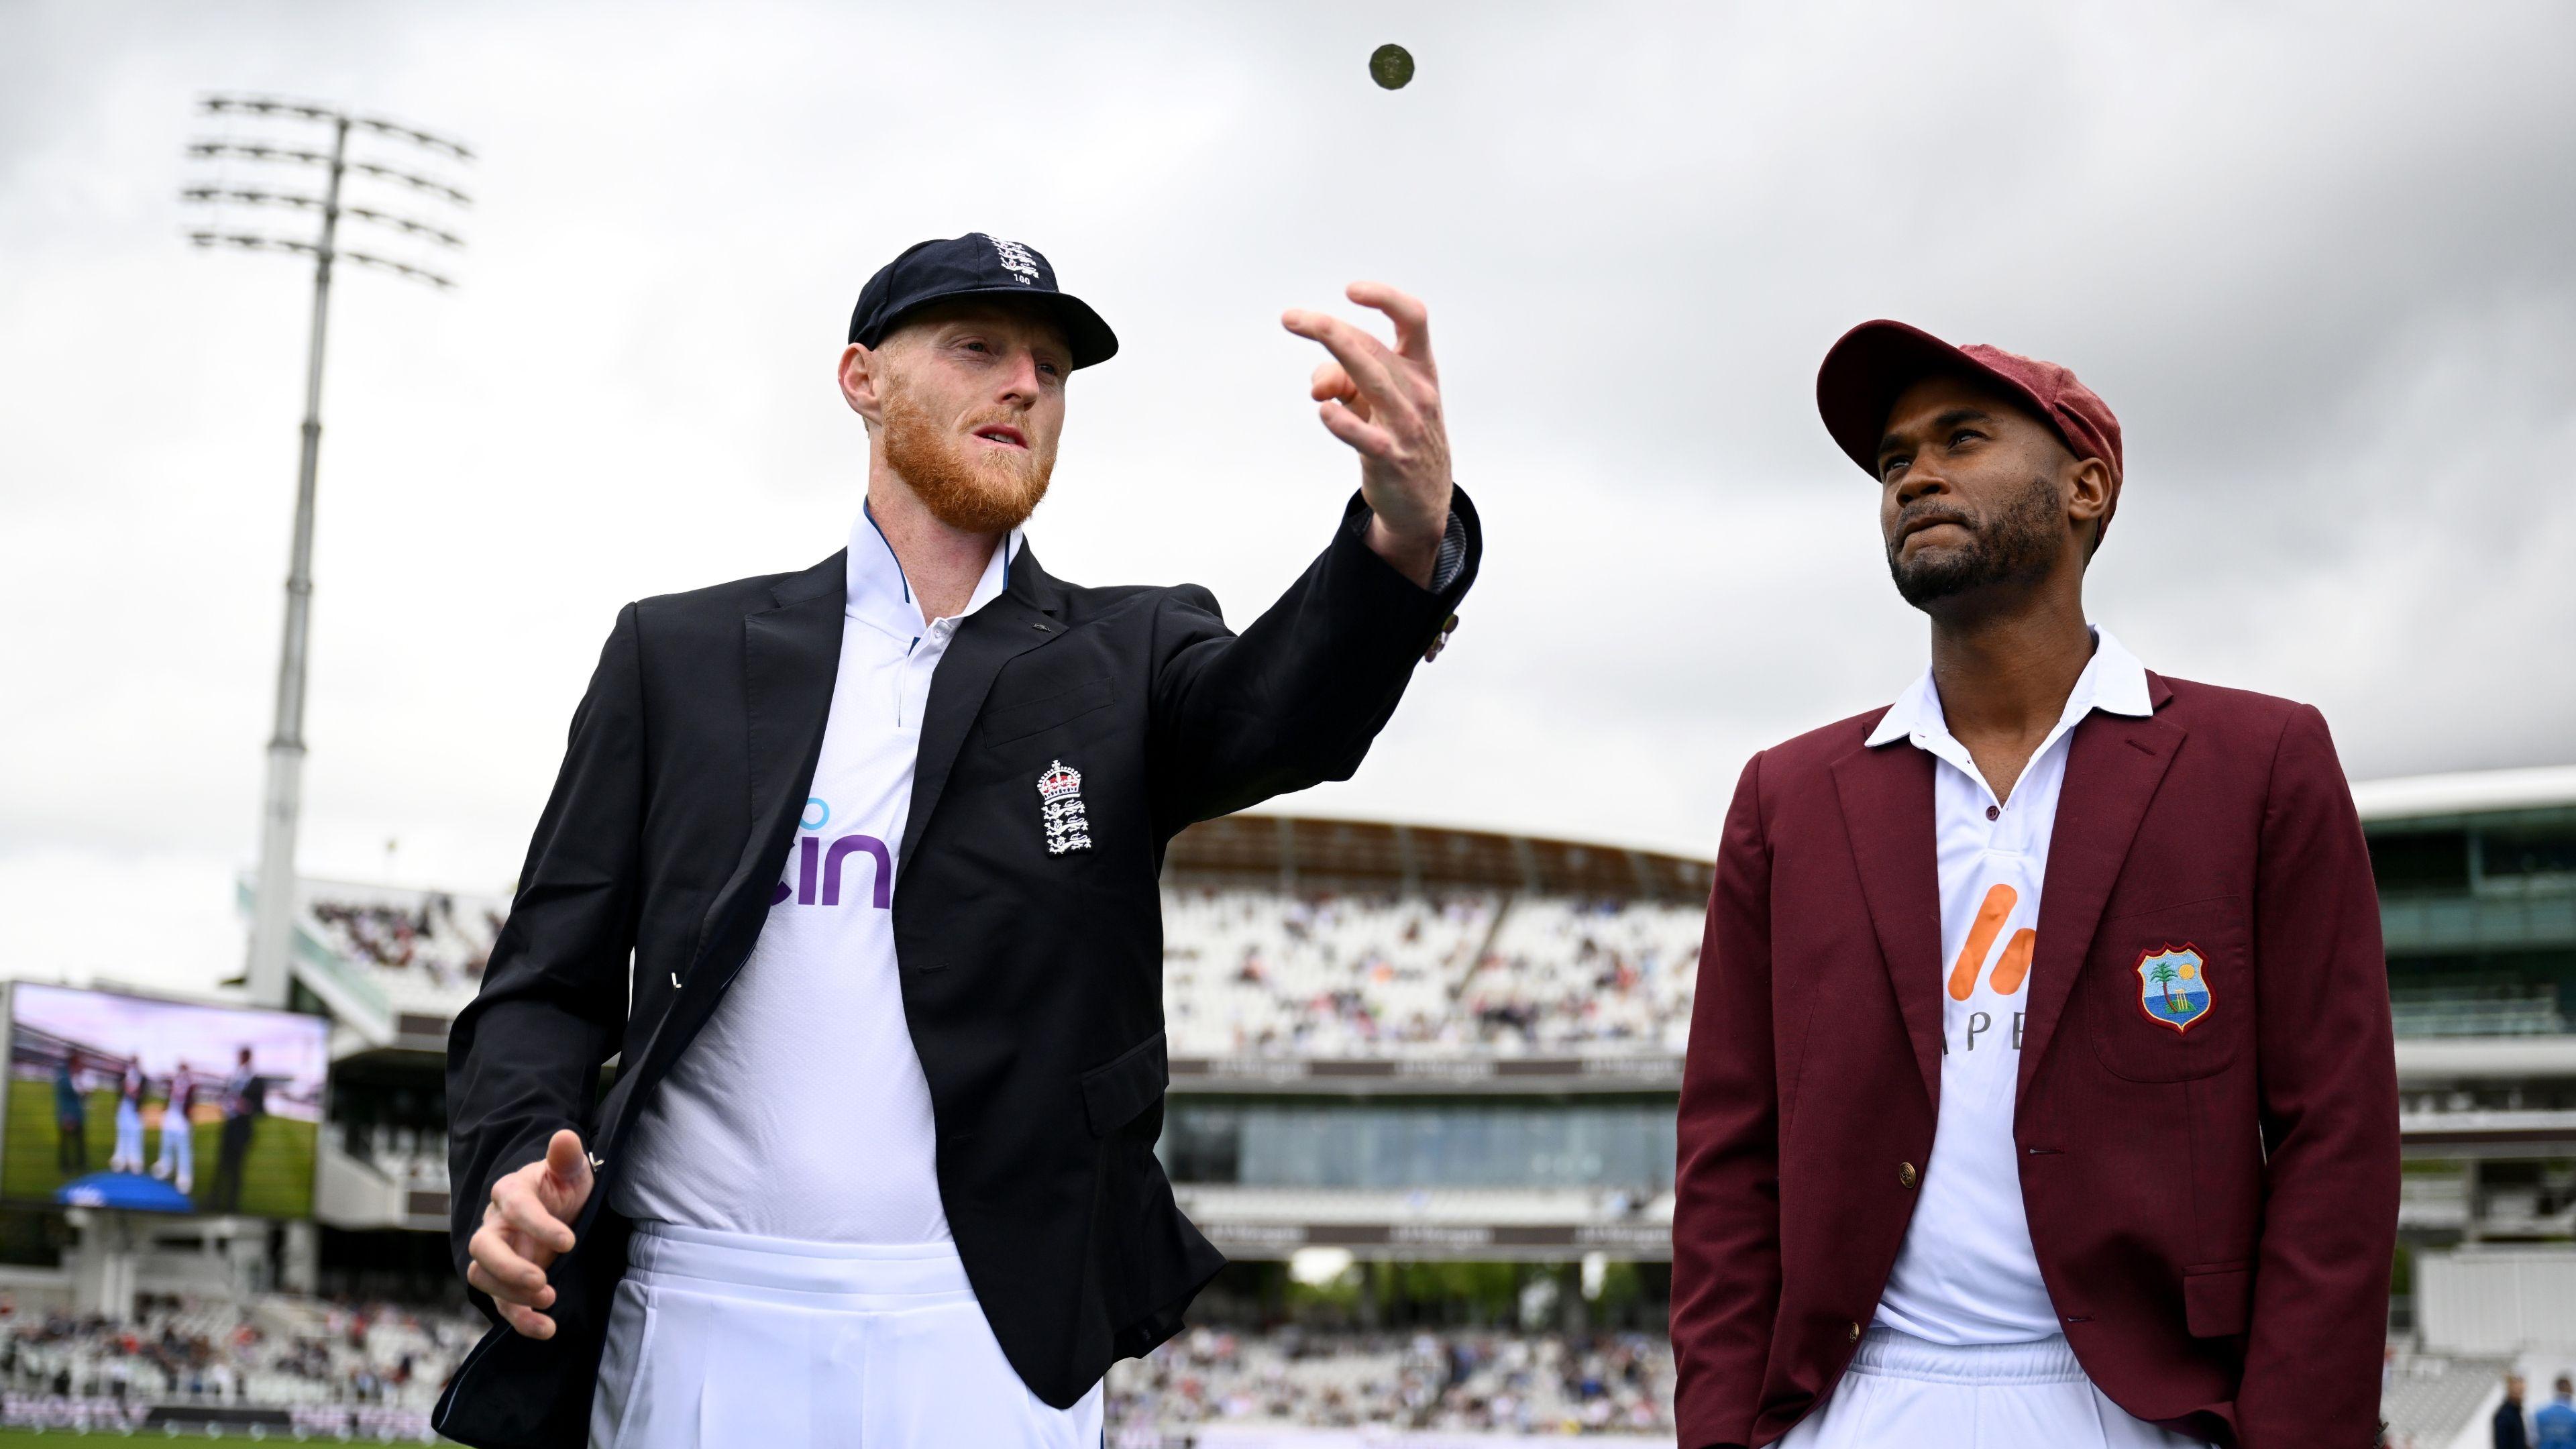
163, 1106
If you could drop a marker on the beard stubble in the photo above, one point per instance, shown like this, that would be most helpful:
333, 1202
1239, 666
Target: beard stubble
2019, 541
966, 485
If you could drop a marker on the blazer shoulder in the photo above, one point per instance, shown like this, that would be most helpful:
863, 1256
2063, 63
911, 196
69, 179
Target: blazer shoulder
737, 597
1142, 601
1110, 597
2215, 706
1817, 749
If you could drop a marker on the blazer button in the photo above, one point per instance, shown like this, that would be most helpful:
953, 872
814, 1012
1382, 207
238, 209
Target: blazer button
1855, 1333
1906, 1176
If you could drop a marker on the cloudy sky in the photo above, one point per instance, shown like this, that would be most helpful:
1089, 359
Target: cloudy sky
2321, 258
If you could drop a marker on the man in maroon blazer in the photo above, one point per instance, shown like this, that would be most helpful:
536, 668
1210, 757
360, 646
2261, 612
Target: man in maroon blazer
1959, 1170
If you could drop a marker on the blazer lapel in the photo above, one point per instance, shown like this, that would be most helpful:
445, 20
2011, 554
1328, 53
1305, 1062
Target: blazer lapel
2113, 765
1026, 615
791, 657
1886, 796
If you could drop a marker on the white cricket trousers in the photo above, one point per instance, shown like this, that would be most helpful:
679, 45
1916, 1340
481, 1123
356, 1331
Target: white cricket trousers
1904, 1390
128, 1156
726, 1341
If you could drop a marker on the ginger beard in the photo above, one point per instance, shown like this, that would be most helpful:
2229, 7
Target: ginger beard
970, 485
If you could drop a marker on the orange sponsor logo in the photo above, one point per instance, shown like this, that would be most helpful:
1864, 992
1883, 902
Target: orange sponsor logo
2014, 968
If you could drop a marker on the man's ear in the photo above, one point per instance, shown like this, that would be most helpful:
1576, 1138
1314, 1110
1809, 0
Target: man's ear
2091, 490
861, 375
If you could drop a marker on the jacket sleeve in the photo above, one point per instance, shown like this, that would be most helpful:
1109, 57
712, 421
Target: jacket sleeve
1726, 1185
523, 1057
2329, 1112
1297, 697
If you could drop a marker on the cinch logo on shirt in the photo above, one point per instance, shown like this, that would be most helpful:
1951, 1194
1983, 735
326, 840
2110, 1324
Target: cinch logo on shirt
2010, 973
817, 862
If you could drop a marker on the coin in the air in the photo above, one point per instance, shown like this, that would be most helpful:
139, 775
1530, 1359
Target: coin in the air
1391, 66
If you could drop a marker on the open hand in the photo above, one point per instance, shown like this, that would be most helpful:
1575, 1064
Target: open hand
1385, 403
526, 1226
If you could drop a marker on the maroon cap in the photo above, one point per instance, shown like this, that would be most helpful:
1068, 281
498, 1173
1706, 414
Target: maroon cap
1877, 361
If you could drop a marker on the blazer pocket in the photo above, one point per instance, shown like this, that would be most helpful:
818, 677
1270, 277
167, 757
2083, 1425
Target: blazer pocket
2218, 1299
2170, 992
1019, 721
1113, 1094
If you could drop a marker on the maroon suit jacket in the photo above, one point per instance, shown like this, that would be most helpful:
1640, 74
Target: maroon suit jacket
2215, 1210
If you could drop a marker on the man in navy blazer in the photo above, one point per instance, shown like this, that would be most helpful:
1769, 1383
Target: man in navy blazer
901, 813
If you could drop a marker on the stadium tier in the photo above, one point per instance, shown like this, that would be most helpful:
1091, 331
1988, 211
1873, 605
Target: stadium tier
273, 1364
1403, 1049
1350, 1004
1528, 1383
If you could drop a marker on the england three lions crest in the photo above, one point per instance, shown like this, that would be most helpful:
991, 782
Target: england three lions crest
1068, 826
2173, 986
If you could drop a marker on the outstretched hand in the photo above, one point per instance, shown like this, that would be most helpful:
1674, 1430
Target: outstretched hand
1385, 403
526, 1226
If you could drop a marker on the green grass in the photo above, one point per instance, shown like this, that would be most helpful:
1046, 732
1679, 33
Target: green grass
277, 1174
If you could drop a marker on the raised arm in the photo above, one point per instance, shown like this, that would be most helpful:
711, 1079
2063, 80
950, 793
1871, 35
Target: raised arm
1726, 1185
2329, 1112
1385, 403
1300, 694
1298, 697
523, 1058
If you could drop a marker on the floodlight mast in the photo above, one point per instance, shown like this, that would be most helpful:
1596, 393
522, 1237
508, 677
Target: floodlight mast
273, 911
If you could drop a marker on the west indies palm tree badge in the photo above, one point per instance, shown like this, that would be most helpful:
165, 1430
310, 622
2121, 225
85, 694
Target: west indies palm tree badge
2173, 986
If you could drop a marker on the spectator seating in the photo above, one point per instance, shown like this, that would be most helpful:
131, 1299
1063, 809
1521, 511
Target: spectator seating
424, 949
276, 1353
1246, 972
1490, 1381
1259, 973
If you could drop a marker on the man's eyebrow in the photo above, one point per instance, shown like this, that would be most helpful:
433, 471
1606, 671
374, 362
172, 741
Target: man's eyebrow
1949, 419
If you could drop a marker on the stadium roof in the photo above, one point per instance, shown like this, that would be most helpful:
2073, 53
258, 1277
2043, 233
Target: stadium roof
1301, 852
2474, 792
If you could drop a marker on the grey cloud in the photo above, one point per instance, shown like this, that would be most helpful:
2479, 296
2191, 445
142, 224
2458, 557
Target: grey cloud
2316, 258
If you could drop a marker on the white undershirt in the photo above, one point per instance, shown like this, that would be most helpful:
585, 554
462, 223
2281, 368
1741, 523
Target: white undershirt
800, 1111
1967, 1272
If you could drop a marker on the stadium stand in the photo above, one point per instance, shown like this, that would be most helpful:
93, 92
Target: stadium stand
1591, 974
1427, 1045
369, 1369
1530, 1384
1282, 937
423, 950
1250, 972
2430, 1398
408, 1155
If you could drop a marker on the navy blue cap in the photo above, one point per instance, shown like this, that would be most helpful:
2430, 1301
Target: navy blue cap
975, 265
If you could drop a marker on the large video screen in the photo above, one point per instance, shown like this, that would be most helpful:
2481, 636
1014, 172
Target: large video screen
164, 1106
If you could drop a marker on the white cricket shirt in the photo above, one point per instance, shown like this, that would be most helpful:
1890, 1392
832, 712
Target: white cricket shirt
1967, 1272
800, 1111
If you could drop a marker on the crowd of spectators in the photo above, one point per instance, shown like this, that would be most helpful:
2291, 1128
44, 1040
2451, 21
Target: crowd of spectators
1471, 1381
1264, 973
376, 1369
1257, 973
1588, 975
282, 1353
435, 937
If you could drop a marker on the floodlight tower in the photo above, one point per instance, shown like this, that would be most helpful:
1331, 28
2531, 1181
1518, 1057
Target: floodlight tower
273, 923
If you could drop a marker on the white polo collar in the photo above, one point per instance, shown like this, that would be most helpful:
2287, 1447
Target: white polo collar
881, 597
2113, 681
